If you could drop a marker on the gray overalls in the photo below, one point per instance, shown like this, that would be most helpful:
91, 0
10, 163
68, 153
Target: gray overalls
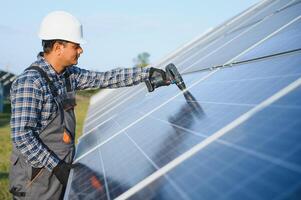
27, 182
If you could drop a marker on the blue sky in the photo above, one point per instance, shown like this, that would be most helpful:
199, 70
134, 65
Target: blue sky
116, 31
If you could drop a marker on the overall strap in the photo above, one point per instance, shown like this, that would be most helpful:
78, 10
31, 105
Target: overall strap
45, 76
68, 84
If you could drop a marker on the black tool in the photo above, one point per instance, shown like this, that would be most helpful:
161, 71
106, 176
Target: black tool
160, 78
175, 77
172, 76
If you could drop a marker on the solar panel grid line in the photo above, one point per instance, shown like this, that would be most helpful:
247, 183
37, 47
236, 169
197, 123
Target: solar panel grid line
141, 118
183, 48
100, 124
284, 41
222, 31
262, 156
70, 180
102, 121
264, 39
208, 54
250, 37
251, 60
105, 176
290, 4
258, 78
179, 190
107, 93
249, 179
212, 33
217, 49
284, 53
102, 94
112, 108
276, 11
220, 174
222, 46
240, 104
103, 107
210, 139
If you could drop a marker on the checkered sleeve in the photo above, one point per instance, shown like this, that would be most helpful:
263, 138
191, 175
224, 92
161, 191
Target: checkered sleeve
120, 77
26, 100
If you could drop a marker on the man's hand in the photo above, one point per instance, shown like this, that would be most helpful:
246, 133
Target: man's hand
157, 78
61, 171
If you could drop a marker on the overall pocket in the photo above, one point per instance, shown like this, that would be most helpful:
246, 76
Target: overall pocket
18, 175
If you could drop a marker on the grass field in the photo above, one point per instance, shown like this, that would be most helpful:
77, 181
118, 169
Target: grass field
5, 142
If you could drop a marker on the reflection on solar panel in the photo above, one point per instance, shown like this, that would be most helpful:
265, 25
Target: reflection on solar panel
242, 142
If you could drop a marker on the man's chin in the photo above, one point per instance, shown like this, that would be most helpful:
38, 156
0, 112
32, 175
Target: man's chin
75, 62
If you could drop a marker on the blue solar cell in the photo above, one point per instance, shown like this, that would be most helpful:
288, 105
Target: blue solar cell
286, 40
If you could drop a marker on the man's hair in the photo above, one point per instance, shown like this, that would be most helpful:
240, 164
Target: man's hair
48, 44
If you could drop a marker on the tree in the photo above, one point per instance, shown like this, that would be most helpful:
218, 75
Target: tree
142, 59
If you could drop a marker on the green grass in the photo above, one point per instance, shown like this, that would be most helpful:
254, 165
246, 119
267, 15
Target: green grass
5, 149
83, 98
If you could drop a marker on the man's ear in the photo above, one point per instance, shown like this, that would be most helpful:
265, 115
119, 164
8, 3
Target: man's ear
57, 48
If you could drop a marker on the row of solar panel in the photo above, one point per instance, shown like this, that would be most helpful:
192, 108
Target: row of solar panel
168, 132
222, 45
131, 135
286, 40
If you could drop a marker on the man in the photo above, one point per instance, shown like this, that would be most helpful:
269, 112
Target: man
43, 100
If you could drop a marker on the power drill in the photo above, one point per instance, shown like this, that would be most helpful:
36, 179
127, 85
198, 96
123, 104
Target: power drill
172, 76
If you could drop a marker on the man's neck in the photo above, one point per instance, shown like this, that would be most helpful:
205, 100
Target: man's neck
55, 64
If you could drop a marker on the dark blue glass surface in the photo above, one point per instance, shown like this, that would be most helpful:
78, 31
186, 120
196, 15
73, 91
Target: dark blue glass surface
172, 128
130, 133
259, 159
223, 97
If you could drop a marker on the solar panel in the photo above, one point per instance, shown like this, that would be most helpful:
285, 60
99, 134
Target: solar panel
259, 159
238, 138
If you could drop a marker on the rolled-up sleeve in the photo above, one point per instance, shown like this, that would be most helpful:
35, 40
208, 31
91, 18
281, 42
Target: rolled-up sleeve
120, 77
26, 101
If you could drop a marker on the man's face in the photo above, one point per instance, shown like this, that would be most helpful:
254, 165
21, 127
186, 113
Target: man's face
70, 53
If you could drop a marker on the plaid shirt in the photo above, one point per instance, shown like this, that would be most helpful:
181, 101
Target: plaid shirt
33, 106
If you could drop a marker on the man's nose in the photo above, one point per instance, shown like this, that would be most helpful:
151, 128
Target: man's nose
80, 50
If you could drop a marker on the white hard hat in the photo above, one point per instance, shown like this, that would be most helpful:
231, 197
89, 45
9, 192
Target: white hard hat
62, 26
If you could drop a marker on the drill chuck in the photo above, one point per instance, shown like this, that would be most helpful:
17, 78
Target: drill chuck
174, 76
